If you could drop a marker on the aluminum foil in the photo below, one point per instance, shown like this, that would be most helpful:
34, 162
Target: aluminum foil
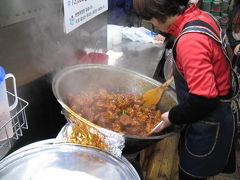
81, 133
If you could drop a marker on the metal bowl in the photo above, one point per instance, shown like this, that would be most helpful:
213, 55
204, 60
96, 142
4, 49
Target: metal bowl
114, 79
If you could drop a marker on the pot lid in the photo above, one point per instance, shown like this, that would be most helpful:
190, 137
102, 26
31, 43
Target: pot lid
65, 161
2, 73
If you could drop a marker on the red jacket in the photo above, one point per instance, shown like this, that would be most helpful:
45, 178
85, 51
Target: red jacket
200, 58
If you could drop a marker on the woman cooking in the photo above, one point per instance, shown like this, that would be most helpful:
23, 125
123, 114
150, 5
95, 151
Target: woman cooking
202, 79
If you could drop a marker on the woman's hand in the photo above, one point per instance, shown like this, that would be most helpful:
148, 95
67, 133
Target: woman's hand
159, 37
165, 122
237, 49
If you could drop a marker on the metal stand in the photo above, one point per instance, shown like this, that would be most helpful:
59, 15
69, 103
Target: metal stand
18, 121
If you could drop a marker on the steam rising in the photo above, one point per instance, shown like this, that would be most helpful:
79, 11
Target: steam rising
36, 46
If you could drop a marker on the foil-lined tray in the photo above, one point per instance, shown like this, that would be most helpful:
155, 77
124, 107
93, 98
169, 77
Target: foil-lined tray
81, 133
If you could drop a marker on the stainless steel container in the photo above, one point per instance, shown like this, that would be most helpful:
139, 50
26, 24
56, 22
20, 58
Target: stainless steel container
114, 79
45, 160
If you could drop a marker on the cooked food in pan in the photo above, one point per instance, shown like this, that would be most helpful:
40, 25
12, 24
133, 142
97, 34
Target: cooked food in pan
122, 113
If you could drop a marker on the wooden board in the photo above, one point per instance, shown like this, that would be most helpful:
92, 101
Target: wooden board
160, 161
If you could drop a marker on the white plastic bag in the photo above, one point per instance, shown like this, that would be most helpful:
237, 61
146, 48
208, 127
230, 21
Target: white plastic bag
140, 34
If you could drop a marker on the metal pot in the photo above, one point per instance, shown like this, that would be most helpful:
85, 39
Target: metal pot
114, 79
49, 160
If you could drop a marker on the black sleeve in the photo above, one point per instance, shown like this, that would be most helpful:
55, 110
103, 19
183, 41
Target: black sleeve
233, 43
193, 109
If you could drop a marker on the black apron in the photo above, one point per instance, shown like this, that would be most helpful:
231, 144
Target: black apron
205, 146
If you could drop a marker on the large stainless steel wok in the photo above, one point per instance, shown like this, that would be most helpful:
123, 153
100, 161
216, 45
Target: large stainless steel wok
90, 77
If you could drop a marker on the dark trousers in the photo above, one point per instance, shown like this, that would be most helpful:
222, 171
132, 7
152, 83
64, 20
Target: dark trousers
230, 168
184, 176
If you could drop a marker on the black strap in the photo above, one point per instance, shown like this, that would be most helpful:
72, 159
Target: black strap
237, 63
200, 23
201, 30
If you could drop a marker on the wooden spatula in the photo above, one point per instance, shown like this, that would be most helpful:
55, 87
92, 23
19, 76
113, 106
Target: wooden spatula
152, 96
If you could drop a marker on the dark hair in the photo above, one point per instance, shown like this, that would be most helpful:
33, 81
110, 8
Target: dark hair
236, 2
236, 17
236, 23
159, 9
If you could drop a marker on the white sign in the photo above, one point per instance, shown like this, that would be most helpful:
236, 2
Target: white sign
77, 12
